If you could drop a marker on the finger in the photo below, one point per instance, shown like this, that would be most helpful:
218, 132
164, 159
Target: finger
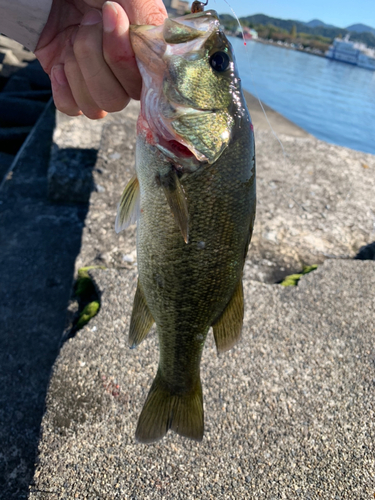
117, 49
78, 86
138, 11
62, 95
144, 11
102, 84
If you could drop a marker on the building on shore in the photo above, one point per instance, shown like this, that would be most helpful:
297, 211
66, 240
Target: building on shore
247, 33
176, 7
355, 53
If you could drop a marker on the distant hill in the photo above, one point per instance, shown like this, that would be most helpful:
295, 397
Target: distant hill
361, 28
329, 32
367, 38
317, 22
224, 18
287, 24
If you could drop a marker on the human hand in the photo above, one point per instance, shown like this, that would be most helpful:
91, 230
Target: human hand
85, 49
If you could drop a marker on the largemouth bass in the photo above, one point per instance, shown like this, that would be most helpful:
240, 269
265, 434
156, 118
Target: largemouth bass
194, 202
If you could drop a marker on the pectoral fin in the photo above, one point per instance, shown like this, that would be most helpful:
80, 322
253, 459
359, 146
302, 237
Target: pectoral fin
227, 329
176, 200
141, 320
129, 206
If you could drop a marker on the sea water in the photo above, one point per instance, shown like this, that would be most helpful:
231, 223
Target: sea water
331, 100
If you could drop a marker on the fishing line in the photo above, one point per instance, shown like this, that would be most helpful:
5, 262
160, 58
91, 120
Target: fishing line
238, 21
252, 81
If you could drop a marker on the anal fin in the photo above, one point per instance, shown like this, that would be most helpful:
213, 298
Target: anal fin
129, 206
176, 200
227, 329
141, 320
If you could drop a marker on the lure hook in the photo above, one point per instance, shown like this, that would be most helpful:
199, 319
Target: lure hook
198, 6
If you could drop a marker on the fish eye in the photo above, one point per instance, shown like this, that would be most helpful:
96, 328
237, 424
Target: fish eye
219, 61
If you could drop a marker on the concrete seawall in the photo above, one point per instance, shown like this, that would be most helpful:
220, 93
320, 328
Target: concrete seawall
289, 411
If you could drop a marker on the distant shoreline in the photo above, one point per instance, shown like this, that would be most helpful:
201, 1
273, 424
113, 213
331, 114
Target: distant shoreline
288, 47
280, 45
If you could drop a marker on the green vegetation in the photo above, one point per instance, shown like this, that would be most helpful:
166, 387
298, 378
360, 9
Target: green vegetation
290, 31
87, 297
293, 279
88, 312
84, 287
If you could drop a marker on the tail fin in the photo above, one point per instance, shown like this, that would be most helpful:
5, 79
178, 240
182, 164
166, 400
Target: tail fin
183, 413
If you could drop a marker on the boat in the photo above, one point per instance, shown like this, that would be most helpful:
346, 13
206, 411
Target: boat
356, 53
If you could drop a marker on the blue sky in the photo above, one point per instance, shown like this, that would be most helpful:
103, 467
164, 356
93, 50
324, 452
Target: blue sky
340, 13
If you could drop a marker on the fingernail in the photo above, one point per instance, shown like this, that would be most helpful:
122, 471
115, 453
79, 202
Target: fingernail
91, 17
58, 75
109, 17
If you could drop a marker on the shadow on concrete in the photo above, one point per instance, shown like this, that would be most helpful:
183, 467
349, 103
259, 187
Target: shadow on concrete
70, 174
39, 243
366, 252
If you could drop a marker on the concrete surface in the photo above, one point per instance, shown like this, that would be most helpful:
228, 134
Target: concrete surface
38, 245
289, 412
314, 203
76, 141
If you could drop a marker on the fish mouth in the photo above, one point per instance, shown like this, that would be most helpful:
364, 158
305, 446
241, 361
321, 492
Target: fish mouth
179, 154
158, 133
159, 129
179, 149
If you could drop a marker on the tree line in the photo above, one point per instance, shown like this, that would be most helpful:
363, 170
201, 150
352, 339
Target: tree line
295, 31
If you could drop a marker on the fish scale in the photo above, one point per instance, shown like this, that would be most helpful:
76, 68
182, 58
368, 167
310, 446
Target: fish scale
195, 214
